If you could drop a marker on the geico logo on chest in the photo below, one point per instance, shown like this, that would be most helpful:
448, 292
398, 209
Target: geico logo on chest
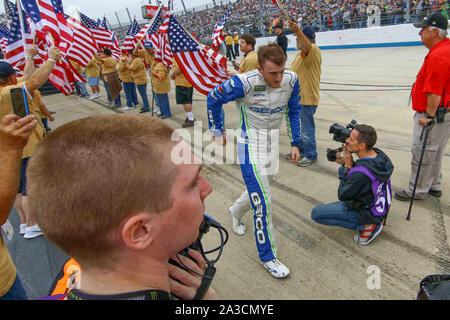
268, 110
256, 199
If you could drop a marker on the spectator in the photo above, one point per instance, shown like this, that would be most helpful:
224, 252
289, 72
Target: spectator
236, 44
308, 66
229, 44
110, 77
161, 87
140, 78
281, 40
31, 81
247, 46
80, 86
430, 93
14, 135
93, 73
44, 113
183, 93
129, 87
126, 255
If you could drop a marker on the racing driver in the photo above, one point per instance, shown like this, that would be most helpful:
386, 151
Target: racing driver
262, 97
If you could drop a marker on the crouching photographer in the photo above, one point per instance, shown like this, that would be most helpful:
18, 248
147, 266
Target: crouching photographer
364, 190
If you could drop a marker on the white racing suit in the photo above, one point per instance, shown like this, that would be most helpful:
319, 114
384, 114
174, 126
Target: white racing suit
261, 109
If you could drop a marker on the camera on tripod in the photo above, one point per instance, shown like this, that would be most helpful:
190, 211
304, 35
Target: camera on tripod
340, 134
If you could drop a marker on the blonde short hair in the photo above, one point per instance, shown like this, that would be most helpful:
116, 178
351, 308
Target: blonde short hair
88, 175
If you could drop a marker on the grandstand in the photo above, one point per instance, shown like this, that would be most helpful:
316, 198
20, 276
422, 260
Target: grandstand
258, 16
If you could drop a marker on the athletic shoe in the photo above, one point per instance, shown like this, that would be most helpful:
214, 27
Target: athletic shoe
143, 111
127, 108
97, 95
276, 268
435, 193
304, 162
32, 232
369, 233
188, 123
22, 228
92, 97
238, 225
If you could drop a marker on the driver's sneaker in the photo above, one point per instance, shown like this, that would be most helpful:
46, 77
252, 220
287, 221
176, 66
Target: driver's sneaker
368, 234
276, 268
238, 225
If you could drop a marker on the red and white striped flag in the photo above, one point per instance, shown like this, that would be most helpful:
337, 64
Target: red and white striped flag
204, 69
48, 18
83, 47
163, 49
130, 41
14, 50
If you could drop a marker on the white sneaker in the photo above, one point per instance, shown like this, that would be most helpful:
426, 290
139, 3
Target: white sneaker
92, 97
97, 95
22, 228
276, 268
127, 108
32, 232
238, 226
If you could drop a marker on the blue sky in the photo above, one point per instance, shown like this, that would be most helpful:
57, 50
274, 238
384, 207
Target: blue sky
99, 8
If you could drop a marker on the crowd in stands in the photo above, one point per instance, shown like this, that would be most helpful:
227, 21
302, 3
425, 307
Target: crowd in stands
258, 16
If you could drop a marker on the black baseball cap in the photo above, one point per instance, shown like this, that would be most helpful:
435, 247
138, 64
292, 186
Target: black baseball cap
6, 69
434, 19
307, 31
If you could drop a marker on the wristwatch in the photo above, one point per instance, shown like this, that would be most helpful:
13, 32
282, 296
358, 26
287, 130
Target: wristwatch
428, 116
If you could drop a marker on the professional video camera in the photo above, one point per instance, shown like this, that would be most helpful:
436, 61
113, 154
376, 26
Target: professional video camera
198, 246
340, 134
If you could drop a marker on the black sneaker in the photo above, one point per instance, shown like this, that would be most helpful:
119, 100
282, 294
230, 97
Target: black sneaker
435, 193
188, 123
369, 233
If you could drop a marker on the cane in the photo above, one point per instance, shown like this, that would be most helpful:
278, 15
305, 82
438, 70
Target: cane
427, 130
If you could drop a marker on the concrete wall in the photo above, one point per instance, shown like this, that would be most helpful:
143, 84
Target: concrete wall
388, 36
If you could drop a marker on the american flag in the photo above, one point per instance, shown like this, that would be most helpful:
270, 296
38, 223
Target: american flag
130, 40
153, 28
163, 50
217, 35
204, 69
48, 17
15, 51
102, 36
83, 46
4, 35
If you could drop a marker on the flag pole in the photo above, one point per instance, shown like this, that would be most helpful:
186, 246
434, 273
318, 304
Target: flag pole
22, 25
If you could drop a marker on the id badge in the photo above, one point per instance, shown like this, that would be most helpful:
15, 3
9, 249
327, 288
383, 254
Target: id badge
8, 230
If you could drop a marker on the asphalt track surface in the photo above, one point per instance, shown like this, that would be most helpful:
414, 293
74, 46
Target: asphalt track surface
369, 85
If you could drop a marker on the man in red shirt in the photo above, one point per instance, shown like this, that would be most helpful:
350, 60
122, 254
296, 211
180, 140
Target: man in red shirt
430, 91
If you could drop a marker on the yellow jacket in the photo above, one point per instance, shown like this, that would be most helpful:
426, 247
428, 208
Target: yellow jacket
160, 86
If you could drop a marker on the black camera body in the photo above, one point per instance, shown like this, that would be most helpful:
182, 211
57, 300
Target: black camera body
340, 134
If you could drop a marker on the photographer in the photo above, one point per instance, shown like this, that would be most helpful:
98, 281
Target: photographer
355, 193
125, 255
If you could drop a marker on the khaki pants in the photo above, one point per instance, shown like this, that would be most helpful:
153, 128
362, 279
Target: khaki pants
430, 172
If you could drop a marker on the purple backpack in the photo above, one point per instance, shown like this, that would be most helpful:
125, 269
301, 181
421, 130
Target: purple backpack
381, 191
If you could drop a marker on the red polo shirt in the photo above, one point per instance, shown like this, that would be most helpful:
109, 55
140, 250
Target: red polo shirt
433, 77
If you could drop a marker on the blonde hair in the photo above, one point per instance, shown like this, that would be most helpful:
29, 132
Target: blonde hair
88, 175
